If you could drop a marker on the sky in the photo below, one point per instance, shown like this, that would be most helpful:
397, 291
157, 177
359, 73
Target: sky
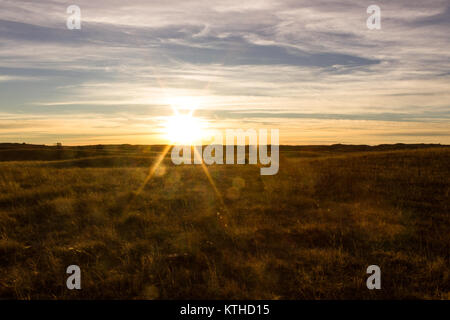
312, 69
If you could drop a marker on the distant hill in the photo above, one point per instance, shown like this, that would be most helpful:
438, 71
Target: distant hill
31, 152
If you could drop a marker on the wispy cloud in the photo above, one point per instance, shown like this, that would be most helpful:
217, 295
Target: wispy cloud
243, 60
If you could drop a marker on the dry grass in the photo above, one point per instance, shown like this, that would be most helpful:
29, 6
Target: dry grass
307, 233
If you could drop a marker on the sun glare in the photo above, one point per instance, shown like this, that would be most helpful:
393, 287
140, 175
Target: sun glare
184, 129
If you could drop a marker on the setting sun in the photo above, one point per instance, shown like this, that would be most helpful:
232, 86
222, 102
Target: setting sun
183, 129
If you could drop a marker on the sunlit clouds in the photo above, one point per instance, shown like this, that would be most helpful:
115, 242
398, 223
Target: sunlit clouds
313, 70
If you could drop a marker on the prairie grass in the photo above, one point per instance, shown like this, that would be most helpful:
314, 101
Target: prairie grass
308, 232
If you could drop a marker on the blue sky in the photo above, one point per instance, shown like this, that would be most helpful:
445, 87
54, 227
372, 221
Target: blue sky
311, 69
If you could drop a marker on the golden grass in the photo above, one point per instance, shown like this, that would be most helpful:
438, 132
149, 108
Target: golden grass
307, 233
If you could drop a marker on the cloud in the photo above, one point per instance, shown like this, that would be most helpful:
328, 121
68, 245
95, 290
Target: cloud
4, 78
395, 117
300, 60
440, 18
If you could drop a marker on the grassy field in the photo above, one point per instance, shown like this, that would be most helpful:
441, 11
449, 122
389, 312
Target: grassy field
308, 232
